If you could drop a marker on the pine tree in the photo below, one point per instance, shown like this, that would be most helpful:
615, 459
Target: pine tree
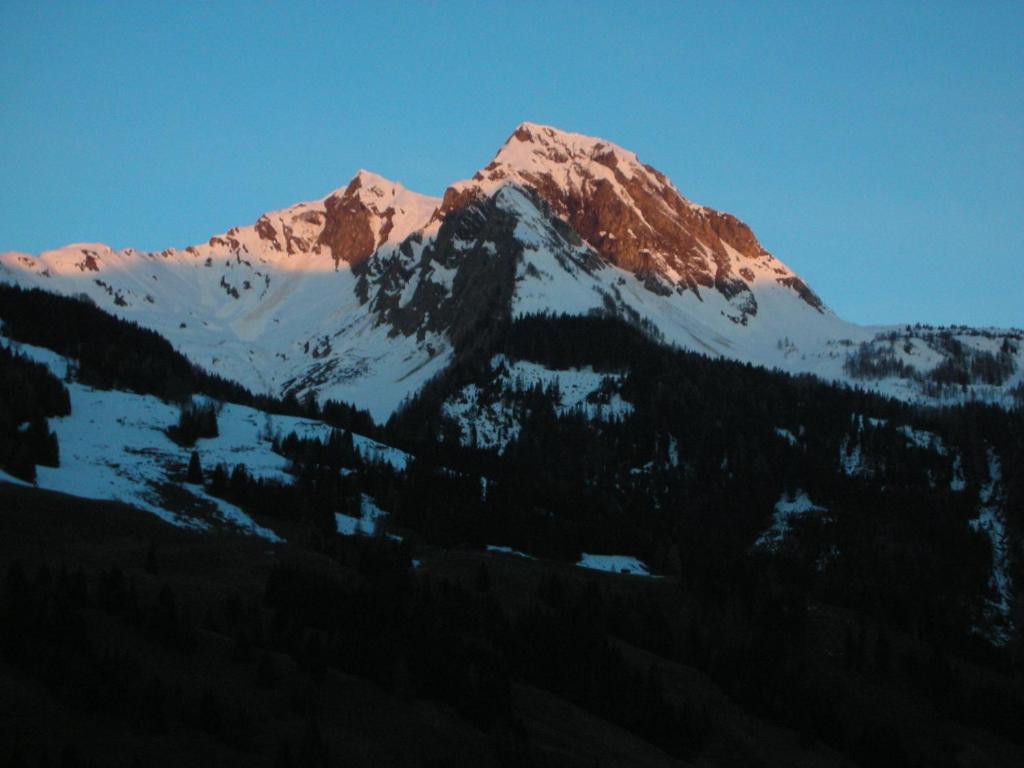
195, 470
219, 480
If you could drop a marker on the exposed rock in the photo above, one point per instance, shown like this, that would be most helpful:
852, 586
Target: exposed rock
347, 230
369, 214
629, 212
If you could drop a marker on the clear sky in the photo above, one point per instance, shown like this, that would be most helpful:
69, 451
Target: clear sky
878, 149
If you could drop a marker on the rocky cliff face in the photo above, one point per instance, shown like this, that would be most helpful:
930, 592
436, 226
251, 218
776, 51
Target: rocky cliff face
369, 214
632, 215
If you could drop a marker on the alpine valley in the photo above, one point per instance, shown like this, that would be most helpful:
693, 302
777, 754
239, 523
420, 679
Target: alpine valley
559, 469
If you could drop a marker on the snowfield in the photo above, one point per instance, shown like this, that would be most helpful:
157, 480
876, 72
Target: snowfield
614, 564
502, 550
114, 446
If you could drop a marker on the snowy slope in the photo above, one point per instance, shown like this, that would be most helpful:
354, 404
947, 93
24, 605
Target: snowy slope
698, 276
114, 446
272, 305
614, 564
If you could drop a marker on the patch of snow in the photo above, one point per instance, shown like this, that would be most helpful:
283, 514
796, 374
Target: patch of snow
499, 549
366, 523
57, 364
957, 482
851, 460
923, 439
614, 564
786, 509
673, 451
8, 478
786, 435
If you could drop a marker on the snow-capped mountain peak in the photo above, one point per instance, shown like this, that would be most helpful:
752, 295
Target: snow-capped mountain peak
542, 148
406, 211
372, 213
632, 215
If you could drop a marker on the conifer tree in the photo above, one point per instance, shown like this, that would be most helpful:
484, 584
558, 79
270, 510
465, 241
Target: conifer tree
195, 469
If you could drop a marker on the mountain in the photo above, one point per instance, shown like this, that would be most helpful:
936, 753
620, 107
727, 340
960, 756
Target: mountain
595, 544
588, 530
267, 303
365, 294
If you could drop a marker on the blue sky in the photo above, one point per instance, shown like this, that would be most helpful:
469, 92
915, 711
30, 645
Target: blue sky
878, 149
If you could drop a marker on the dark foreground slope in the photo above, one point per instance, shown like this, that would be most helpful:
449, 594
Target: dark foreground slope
128, 642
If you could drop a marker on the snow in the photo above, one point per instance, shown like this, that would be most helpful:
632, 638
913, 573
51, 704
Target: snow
851, 460
786, 435
410, 210
114, 446
300, 325
957, 482
297, 294
990, 520
785, 333
923, 439
502, 550
366, 523
371, 450
571, 160
520, 154
614, 564
673, 451
494, 423
787, 508
235, 516
8, 478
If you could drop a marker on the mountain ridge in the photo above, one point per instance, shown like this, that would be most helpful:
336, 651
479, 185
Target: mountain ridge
367, 292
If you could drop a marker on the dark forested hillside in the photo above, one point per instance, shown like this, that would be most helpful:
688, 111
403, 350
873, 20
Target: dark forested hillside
29, 394
835, 569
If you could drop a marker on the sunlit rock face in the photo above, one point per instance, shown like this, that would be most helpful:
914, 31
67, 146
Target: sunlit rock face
633, 216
